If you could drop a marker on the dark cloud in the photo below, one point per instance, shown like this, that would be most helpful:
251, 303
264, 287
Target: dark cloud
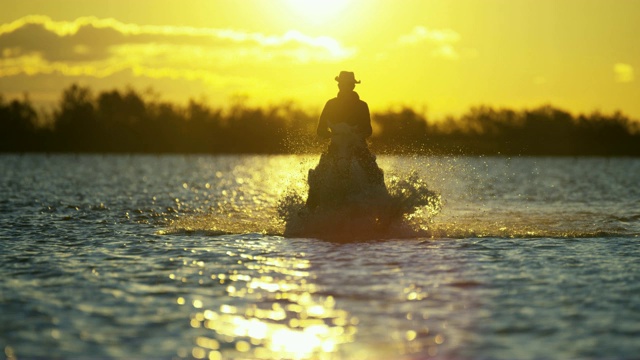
86, 45
93, 39
90, 43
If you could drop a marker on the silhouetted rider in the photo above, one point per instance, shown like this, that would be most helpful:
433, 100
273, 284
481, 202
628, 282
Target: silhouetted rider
347, 170
346, 108
347, 121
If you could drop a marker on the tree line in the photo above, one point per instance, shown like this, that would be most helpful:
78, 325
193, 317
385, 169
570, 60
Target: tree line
127, 121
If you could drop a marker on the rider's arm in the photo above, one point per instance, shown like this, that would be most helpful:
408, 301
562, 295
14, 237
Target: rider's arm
323, 124
364, 120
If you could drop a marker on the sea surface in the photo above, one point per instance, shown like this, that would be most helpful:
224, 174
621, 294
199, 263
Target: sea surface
161, 257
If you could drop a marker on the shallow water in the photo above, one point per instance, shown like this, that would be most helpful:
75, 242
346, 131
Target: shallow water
181, 257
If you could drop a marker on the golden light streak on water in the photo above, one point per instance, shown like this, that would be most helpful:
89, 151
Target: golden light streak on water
266, 307
291, 321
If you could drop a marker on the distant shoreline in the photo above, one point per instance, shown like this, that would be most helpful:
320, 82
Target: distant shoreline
125, 122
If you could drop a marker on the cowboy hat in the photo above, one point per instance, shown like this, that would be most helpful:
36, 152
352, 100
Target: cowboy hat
347, 77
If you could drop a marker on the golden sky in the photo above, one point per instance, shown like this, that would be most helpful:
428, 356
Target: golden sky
440, 55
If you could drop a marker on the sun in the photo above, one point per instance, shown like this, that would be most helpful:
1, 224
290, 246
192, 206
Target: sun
317, 11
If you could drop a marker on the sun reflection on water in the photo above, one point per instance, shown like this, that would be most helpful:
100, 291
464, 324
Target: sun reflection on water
296, 330
269, 309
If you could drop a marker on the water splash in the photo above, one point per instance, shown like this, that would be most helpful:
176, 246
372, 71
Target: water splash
404, 212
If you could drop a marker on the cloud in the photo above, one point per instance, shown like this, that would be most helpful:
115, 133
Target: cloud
89, 46
423, 34
623, 72
439, 41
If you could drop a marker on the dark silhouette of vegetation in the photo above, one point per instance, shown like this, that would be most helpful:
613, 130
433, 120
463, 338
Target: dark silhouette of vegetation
120, 121
542, 131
